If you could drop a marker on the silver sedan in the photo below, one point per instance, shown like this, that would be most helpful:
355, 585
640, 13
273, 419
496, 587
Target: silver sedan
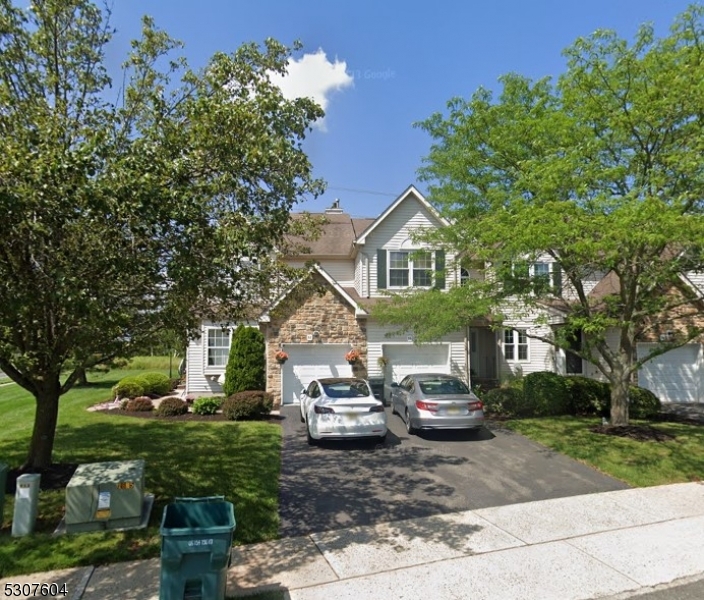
436, 401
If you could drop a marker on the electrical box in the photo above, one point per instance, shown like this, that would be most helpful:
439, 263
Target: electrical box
107, 495
26, 504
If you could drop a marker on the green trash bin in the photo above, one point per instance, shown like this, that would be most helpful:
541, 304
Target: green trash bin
3, 489
196, 537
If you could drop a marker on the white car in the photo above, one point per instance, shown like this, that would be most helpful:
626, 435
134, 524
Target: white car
341, 408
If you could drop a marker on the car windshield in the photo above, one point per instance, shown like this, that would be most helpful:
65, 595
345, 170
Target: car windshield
442, 385
346, 389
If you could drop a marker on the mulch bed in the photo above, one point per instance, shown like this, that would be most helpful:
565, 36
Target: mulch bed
151, 414
640, 433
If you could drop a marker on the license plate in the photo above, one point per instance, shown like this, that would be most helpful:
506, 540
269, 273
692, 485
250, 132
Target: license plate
453, 411
351, 417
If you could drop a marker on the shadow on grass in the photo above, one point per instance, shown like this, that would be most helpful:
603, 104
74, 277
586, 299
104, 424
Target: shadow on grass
240, 461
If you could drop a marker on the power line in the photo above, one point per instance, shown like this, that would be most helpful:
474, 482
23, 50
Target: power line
372, 193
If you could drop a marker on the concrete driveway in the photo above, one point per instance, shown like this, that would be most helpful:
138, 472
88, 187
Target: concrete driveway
344, 484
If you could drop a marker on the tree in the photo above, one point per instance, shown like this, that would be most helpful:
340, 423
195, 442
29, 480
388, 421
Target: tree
246, 365
130, 216
600, 170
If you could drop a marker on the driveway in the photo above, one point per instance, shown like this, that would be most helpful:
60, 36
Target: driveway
344, 484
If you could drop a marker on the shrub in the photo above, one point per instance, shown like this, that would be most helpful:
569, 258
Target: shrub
171, 407
247, 405
129, 387
546, 394
155, 383
588, 396
246, 365
505, 401
141, 404
124, 403
208, 405
643, 404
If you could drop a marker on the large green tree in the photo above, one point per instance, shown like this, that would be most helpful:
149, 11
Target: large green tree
602, 171
133, 208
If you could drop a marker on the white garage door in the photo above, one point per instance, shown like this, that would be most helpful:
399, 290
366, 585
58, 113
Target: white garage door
308, 362
405, 359
673, 376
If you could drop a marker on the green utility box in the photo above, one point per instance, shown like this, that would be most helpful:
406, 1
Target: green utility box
3, 488
107, 495
196, 537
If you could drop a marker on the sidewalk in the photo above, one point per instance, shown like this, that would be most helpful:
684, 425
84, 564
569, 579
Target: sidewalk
612, 544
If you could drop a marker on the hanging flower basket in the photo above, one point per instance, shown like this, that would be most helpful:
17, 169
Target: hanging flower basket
352, 356
281, 357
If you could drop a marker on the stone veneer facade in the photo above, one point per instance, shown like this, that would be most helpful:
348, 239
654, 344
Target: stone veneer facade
324, 311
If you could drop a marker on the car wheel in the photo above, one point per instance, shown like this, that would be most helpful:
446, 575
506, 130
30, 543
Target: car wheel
409, 428
393, 407
311, 440
302, 418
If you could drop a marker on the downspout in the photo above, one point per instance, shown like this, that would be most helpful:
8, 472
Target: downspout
467, 365
365, 284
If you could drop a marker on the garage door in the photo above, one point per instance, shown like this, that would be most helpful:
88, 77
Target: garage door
405, 359
308, 362
673, 376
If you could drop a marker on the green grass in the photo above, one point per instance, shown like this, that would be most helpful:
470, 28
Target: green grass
637, 463
240, 461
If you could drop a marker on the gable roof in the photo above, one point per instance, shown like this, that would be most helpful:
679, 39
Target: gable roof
359, 312
411, 190
338, 233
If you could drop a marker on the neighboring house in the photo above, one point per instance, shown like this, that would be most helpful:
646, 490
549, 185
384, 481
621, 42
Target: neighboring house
356, 262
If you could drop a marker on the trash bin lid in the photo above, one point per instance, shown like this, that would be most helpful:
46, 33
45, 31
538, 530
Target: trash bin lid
200, 516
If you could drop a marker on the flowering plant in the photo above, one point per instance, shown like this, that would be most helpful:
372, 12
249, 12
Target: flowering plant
281, 356
353, 355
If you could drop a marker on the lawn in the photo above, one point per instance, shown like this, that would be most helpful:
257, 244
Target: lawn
240, 461
637, 463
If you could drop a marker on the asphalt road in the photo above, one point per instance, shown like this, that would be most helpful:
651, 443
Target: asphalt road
343, 484
687, 591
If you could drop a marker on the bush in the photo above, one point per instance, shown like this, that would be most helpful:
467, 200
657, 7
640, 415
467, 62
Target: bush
247, 405
155, 383
208, 405
141, 404
129, 387
643, 404
505, 401
588, 396
124, 403
546, 394
246, 364
171, 407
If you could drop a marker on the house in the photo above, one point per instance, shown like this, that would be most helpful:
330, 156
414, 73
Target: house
356, 261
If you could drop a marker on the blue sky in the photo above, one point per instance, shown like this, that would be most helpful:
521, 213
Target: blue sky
385, 66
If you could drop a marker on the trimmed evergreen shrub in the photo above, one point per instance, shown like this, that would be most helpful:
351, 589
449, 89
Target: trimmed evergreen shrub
247, 405
545, 394
207, 405
128, 387
588, 396
246, 364
171, 407
155, 383
643, 404
141, 404
505, 401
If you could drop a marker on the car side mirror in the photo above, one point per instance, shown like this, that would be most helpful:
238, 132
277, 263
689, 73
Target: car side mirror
303, 391
394, 384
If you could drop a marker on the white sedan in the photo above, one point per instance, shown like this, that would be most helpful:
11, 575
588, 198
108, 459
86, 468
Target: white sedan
341, 408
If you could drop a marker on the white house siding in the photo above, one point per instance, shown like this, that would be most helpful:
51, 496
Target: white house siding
590, 370
342, 271
588, 283
377, 338
198, 375
394, 233
542, 356
696, 280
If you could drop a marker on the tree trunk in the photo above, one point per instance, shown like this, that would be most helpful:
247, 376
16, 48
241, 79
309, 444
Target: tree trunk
82, 377
619, 398
41, 446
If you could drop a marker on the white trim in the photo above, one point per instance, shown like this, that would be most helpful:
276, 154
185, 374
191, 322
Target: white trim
411, 189
516, 333
409, 269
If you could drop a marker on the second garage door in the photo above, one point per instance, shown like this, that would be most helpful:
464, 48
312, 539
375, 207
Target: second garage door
405, 359
673, 376
308, 362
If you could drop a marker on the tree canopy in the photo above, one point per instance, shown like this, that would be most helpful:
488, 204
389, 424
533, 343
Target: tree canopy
600, 172
133, 208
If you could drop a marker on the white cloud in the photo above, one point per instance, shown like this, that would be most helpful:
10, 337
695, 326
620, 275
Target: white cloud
313, 76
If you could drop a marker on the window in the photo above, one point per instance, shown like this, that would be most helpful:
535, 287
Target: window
464, 276
412, 266
549, 274
218, 347
515, 344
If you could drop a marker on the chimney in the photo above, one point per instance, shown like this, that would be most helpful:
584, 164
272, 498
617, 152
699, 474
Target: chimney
335, 208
